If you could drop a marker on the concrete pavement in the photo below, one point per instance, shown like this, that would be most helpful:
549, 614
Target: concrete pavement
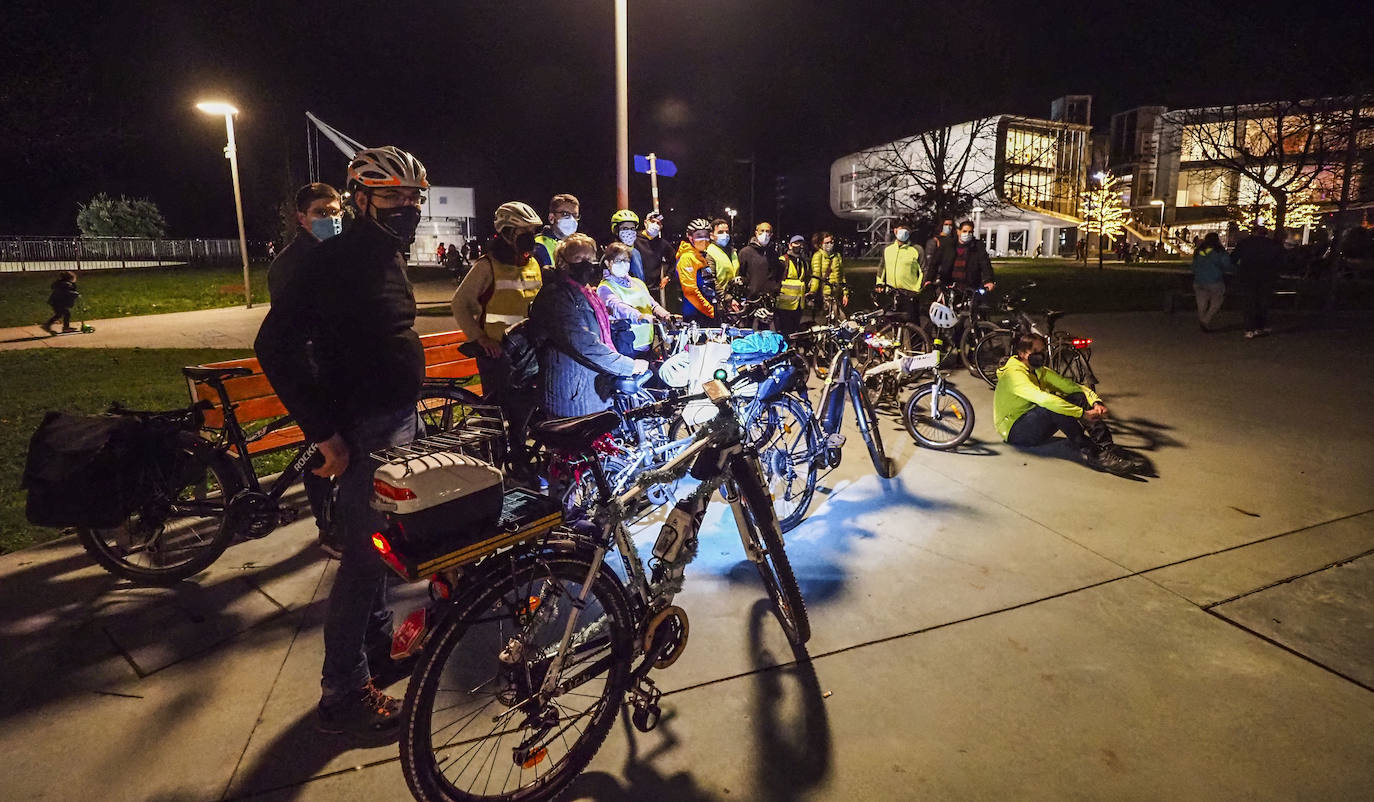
992, 623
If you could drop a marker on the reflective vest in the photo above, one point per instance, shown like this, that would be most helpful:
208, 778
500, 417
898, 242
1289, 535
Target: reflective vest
727, 265
550, 244
637, 296
901, 267
793, 285
507, 302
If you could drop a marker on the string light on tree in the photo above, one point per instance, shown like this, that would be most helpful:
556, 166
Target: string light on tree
1104, 211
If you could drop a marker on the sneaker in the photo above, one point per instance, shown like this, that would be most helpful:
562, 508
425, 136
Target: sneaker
1105, 460
48, 328
69, 329
1137, 461
1251, 334
328, 541
365, 713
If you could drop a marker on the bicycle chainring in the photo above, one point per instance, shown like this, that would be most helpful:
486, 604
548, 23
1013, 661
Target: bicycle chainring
253, 514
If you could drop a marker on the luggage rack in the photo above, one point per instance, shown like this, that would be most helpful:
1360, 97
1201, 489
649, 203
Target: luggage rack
480, 435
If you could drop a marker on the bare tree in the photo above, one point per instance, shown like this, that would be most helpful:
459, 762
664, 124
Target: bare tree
1279, 152
934, 175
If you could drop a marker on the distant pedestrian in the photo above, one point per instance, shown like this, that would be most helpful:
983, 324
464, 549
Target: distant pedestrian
271, 250
62, 299
1259, 260
440, 253
1211, 263
1081, 250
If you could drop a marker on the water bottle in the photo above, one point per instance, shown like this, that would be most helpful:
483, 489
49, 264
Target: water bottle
682, 524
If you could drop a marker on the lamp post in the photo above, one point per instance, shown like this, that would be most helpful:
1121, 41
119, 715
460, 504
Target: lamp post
731, 214
622, 108
231, 153
1160, 204
977, 221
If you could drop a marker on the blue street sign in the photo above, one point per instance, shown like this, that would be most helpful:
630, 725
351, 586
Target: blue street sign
666, 169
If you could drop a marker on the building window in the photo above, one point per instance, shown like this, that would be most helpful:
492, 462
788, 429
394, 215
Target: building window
443, 200
1204, 188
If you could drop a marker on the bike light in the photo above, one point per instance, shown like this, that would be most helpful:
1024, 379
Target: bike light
394, 493
720, 375
410, 635
1083, 342
380, 543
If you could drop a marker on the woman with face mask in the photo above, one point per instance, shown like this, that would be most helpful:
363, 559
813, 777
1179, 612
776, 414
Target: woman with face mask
575, 328
625, 225
628, 299
827, 271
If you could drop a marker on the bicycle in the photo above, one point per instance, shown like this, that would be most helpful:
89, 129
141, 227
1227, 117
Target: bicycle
843, 379
936, 415
1068, 356
969, 326
530, 658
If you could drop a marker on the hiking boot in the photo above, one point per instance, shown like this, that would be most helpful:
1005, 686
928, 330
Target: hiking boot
328, 541
365, 713
1105, 460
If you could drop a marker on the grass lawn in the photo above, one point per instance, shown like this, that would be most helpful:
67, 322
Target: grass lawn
135, 291
77, 380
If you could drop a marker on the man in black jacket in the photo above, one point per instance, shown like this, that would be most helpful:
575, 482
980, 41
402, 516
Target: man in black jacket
965, 263
758, 263
656, 254
1259, 260
319, 216
340, 349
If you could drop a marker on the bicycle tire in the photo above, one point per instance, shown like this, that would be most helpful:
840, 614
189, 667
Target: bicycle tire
867, 421
443, 417
780, 464
477, 655
789, 606
968, 343
932, 432
991, 353
909, 337
206, 480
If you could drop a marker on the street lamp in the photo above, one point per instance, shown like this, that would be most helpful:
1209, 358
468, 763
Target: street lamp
1160, 204
977, 221
231, 153
731, 214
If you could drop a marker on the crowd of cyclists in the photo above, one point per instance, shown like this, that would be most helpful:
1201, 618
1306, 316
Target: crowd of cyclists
339, 346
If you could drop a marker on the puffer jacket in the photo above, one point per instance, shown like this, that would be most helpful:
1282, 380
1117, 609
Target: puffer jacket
698, 280
563, 316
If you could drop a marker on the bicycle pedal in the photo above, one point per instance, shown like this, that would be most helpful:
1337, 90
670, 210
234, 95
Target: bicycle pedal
835, 440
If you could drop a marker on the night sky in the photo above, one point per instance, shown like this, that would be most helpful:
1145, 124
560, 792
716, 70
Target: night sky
517, 98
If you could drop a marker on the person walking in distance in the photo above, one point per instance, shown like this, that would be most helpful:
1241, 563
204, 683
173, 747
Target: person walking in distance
340, 349
62, 297
1211, 263
1259, 260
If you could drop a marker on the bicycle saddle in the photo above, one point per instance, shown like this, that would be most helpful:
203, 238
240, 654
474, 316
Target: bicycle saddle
1053, 316
575, 434
208, 374
628, 385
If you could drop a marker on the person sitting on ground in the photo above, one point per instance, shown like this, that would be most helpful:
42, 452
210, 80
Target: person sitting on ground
628, 298
1032, 401
62, 298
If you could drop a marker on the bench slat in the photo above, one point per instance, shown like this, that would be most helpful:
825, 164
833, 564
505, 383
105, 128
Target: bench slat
453, 370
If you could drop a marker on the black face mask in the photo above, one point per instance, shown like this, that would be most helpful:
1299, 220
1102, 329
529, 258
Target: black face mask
585, 272
524, 244
1036, 360
399, 221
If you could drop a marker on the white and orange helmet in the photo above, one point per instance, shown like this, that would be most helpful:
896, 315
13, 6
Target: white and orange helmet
387, 166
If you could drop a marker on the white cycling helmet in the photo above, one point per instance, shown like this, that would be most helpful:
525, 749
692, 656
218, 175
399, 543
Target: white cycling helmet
515, 214
386, 166
942, 316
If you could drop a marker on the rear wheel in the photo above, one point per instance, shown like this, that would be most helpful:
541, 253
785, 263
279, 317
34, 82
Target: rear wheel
774, 568
991, 353
475, 726
867, 420
974, 332
909, 337
179, 528
939, 424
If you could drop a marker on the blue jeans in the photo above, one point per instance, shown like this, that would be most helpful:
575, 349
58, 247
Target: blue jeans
357, 617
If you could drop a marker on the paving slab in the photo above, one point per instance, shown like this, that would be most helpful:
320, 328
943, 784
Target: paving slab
1213, 578
1327, 615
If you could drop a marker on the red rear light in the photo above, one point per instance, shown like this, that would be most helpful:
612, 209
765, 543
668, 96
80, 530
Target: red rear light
380, 543
402, 493
1083, 342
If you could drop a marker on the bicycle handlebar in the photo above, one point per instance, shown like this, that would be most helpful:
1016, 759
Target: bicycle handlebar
752, 372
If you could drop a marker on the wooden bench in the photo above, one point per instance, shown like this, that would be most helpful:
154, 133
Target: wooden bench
257, 406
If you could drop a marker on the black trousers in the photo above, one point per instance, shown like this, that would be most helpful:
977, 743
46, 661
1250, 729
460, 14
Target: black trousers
63, 313
1039, 424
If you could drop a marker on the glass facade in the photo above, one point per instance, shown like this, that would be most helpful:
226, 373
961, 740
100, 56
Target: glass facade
1040, 165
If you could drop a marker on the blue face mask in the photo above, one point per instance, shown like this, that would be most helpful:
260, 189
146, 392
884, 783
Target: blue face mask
325, 227
903, 235
627, 236
652, 229
722, 240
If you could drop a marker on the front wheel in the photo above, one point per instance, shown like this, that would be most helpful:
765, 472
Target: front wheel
180, 526
942, 422
761, 528
476, 725
867, 420
785, 436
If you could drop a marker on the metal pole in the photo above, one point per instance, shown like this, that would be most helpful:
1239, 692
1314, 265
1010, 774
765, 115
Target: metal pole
753, 214
653, 179
622, 109
231, 153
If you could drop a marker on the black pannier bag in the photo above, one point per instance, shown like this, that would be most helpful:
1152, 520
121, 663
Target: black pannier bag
91, 470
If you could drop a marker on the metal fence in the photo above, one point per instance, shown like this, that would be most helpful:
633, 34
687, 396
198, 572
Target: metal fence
35, 254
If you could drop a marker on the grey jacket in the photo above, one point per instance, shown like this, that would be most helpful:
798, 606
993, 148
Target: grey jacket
567, 323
